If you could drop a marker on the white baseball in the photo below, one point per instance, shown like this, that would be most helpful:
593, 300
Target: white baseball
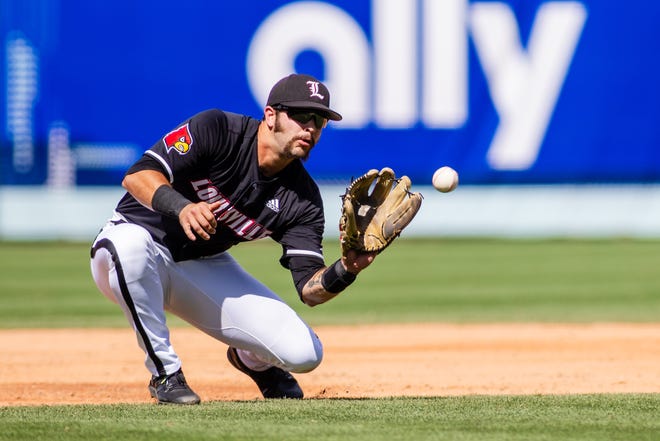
445, 179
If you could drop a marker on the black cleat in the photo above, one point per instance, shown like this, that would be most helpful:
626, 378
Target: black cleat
172, 389
273, 382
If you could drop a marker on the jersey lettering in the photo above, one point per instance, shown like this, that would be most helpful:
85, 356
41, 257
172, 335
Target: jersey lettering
227, 214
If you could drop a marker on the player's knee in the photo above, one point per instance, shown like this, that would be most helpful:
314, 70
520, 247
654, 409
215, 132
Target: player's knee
305, 364
301, 360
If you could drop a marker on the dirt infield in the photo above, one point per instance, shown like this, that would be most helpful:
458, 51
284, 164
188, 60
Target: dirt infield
106, 366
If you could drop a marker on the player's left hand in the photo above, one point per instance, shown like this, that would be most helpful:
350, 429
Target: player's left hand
376, 208
356, 261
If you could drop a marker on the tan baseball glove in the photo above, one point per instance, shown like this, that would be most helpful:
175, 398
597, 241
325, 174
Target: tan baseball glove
371, 221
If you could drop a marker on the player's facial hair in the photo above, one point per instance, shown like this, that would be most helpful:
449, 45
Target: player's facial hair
289, 145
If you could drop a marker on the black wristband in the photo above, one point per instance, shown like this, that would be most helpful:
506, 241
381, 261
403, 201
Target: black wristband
168, 201
335, 278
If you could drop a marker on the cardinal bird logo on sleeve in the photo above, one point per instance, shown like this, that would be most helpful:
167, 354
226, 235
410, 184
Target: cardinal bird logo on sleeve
179, 139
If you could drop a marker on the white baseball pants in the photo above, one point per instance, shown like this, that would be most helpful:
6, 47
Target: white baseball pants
214, 294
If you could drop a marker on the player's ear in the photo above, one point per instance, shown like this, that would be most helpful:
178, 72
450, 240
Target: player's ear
269, 116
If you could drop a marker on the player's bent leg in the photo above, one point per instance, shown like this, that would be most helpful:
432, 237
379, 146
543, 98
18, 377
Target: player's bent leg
217, 296
268, 361
126, 266
273, 382
274, 335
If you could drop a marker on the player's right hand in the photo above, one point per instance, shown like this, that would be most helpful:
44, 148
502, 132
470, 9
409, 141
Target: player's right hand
198, 220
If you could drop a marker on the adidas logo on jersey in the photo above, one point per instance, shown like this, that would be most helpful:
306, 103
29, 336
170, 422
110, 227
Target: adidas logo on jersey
274, 204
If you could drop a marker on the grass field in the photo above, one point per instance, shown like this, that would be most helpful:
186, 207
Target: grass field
48, 285
566, 418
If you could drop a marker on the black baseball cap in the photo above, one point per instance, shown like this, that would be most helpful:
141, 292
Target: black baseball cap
300, 91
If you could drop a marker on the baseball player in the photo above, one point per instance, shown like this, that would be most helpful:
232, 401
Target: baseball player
215, 180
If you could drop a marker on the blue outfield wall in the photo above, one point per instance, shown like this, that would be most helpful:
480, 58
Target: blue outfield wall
510, 92
549, 110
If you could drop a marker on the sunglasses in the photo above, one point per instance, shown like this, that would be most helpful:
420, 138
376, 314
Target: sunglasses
303, 117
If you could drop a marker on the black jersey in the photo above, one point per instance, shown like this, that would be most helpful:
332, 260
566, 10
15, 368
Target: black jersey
213, 157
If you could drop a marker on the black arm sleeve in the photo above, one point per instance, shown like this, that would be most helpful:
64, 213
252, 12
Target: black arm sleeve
302, 269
